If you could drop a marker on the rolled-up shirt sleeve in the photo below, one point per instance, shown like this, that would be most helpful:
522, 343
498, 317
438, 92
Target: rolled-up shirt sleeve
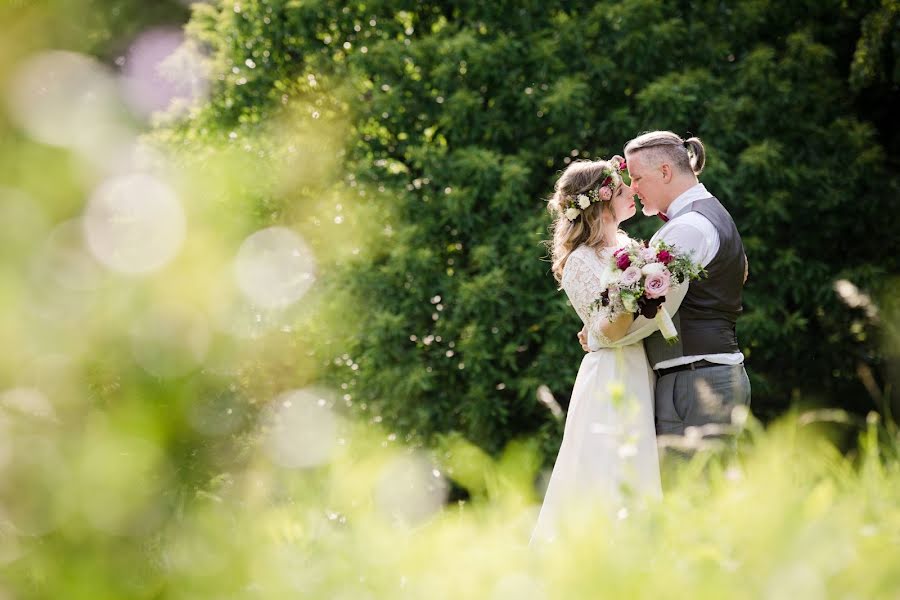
688, 238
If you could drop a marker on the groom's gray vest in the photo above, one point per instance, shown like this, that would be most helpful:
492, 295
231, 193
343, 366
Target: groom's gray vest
707, 316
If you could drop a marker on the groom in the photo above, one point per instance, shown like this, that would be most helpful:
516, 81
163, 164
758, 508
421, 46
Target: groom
701, 378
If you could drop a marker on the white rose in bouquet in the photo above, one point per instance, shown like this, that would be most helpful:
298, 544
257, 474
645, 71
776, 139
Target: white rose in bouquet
652, 268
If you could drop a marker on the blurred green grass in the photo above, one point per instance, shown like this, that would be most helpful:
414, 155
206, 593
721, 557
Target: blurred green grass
95, 514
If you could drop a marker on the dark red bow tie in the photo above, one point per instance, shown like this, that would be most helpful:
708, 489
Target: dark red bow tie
662, 217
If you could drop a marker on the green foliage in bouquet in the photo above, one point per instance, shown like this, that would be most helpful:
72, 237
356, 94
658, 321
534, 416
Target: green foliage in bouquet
683, 267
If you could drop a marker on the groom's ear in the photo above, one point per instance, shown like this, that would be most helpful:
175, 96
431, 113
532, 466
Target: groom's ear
667, 172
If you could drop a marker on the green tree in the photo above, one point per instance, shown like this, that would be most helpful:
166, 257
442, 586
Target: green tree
460, 116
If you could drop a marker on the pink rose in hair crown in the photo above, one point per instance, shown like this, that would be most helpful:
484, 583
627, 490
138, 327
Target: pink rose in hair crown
665, 257
622, 261
605, 193
657, 284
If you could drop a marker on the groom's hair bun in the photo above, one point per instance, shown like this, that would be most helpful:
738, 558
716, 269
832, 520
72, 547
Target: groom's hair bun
688, 156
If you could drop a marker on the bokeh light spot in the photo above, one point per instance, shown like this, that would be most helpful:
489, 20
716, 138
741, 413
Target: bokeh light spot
302, 432
161, 67
408, 491
274, 268
134, 224
63, 98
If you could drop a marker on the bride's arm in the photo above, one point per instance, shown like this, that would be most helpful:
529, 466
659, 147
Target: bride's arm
603, 328
583, 283
643, 327
613, 330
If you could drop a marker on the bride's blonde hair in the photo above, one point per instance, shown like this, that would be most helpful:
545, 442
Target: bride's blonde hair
579, 177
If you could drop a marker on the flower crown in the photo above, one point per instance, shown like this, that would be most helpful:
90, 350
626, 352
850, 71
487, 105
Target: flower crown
612, 178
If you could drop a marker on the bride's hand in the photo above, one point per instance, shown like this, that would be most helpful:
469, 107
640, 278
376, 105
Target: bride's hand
582, 338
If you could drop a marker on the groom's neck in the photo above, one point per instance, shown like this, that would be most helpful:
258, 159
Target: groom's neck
677, 187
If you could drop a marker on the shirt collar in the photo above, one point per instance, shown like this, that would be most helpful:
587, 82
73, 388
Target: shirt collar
697, 192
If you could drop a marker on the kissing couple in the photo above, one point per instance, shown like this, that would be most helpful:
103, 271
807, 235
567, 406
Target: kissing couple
636, 381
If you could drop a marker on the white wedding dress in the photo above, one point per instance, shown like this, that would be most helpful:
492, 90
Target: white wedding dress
608, 458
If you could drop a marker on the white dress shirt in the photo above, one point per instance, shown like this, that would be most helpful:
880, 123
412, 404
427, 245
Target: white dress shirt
692, 232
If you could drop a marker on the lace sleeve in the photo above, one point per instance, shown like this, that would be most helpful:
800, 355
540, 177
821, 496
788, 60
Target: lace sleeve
583, 281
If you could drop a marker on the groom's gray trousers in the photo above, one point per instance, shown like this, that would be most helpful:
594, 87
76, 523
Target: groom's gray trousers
699, 396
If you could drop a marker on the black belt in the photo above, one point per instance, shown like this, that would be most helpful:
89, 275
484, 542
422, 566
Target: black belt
699, 364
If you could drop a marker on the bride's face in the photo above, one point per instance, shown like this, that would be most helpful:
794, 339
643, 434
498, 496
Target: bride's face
623, 203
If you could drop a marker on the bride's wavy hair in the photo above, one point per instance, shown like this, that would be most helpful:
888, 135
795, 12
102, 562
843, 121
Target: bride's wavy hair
579, 177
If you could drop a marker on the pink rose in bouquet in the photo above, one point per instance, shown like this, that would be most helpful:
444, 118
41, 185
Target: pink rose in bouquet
648, 255
657, 284
665, 257
622, 261
631, 276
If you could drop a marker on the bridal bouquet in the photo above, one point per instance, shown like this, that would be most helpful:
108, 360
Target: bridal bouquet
641, 276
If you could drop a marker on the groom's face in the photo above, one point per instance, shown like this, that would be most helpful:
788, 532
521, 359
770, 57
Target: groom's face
646, 182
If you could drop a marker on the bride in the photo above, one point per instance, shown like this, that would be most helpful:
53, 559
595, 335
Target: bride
608, 457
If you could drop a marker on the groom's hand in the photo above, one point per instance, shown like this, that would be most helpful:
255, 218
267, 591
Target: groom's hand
582, 338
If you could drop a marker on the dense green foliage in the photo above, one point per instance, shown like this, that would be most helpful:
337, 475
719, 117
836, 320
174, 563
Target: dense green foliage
462, 114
